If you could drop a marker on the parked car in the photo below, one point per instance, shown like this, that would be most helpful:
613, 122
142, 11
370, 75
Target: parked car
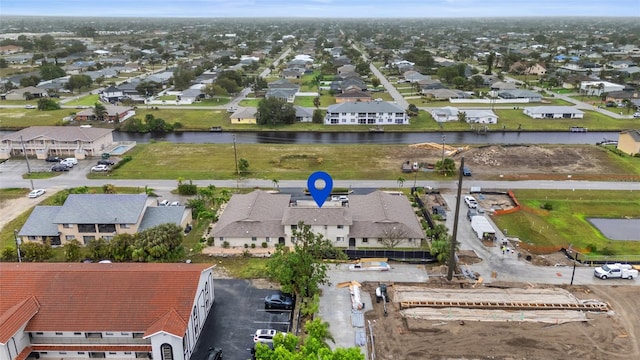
278, 301
29, 106
106, 162
471, 213
100, 168
466, 171
36, 193
439, 210
471, 202
164, 203
264, 335
73, 161
214, 354
636, 115
53, 159
59, 167
67, 163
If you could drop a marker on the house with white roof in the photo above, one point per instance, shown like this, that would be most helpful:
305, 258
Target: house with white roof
597, 88
478, 116
553, 112
366, 113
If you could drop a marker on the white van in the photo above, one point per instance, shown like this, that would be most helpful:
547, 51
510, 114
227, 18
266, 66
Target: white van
73, 161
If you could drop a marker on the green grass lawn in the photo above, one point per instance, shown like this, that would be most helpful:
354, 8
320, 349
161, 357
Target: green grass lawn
592, 120
250, 102
191, 119
20, 118
89, 100
567, 223
218, 101
166, 97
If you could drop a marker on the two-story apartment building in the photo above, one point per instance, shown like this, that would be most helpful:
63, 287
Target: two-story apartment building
366, 113
85, 217
361, 220
41, 141
107, 311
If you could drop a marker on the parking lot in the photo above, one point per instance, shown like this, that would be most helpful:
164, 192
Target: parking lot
237, 313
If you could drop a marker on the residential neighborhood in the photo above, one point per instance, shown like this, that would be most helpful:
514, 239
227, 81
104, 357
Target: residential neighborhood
196, 185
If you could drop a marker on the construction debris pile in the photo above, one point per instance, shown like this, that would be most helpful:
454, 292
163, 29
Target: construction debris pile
554, 306
449, 150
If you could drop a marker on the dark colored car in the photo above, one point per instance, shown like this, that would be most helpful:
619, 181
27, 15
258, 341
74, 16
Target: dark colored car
214, 354
53, 159
106, 162
278, 301
59, 167
439, 210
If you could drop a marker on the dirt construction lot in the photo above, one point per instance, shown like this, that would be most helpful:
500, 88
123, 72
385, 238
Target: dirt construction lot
609, 335
527, 161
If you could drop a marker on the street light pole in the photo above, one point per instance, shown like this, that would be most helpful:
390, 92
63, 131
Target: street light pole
15, 235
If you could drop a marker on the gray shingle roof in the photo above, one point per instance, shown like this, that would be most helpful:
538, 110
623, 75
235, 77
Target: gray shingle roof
39, 222
101, 209
377, 212
158, 215
369, 106
257, 214
317, 216
58, 133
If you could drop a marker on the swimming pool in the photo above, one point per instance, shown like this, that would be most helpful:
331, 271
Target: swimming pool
119, 150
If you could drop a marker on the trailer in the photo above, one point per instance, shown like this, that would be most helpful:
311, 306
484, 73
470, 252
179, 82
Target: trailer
483, 229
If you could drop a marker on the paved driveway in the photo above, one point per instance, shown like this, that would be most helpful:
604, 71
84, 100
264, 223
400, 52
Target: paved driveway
238, 311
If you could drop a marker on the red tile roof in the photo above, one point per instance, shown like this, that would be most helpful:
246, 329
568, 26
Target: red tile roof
88, 347
24, 353
171, 322
16, 316
99, 297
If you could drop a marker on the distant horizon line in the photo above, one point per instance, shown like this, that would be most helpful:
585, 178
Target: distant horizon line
325, 18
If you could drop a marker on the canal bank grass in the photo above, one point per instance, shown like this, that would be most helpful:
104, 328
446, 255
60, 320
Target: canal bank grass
164, 160
192, 119
566, 224
593, 120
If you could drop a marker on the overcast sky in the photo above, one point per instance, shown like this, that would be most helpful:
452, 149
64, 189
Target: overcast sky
320, 8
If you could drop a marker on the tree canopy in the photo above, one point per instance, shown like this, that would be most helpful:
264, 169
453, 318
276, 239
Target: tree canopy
313, 346
301, 271
274, 111
51, 71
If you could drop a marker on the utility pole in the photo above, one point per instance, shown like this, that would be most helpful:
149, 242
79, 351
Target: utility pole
442, 164
26, 158
15, 235
454, 236
235, 155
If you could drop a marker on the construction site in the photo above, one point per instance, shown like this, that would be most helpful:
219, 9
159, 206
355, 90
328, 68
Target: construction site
460, 320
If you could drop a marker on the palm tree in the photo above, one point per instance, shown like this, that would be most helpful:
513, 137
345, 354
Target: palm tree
401, 181
275, 183
99, 111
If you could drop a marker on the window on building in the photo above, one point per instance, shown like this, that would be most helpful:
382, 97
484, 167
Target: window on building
253, 238
55, 241
365, 240
108, 238
97, 355
334, 121
142, 355
58, 333
67, 226
137, 335
166, 351
196, 322
124, 226
77, 333
69, 237
294, 227
87, 228
340, 226
340, 238
86, 239
32, 238
106, 228
93, 335
267, 239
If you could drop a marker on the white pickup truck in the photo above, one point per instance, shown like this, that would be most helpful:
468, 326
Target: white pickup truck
617, 270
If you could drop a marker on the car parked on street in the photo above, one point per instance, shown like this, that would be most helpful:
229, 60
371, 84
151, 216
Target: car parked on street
100, 168
59, 167
278, 301
36, 193
67, 163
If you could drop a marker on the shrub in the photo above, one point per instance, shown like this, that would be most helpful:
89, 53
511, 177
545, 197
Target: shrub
225, 244
264, 244
547, 206
246, 246
210, 241
253, 245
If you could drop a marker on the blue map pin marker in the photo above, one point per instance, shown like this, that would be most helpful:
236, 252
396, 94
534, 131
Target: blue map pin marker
320, 195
